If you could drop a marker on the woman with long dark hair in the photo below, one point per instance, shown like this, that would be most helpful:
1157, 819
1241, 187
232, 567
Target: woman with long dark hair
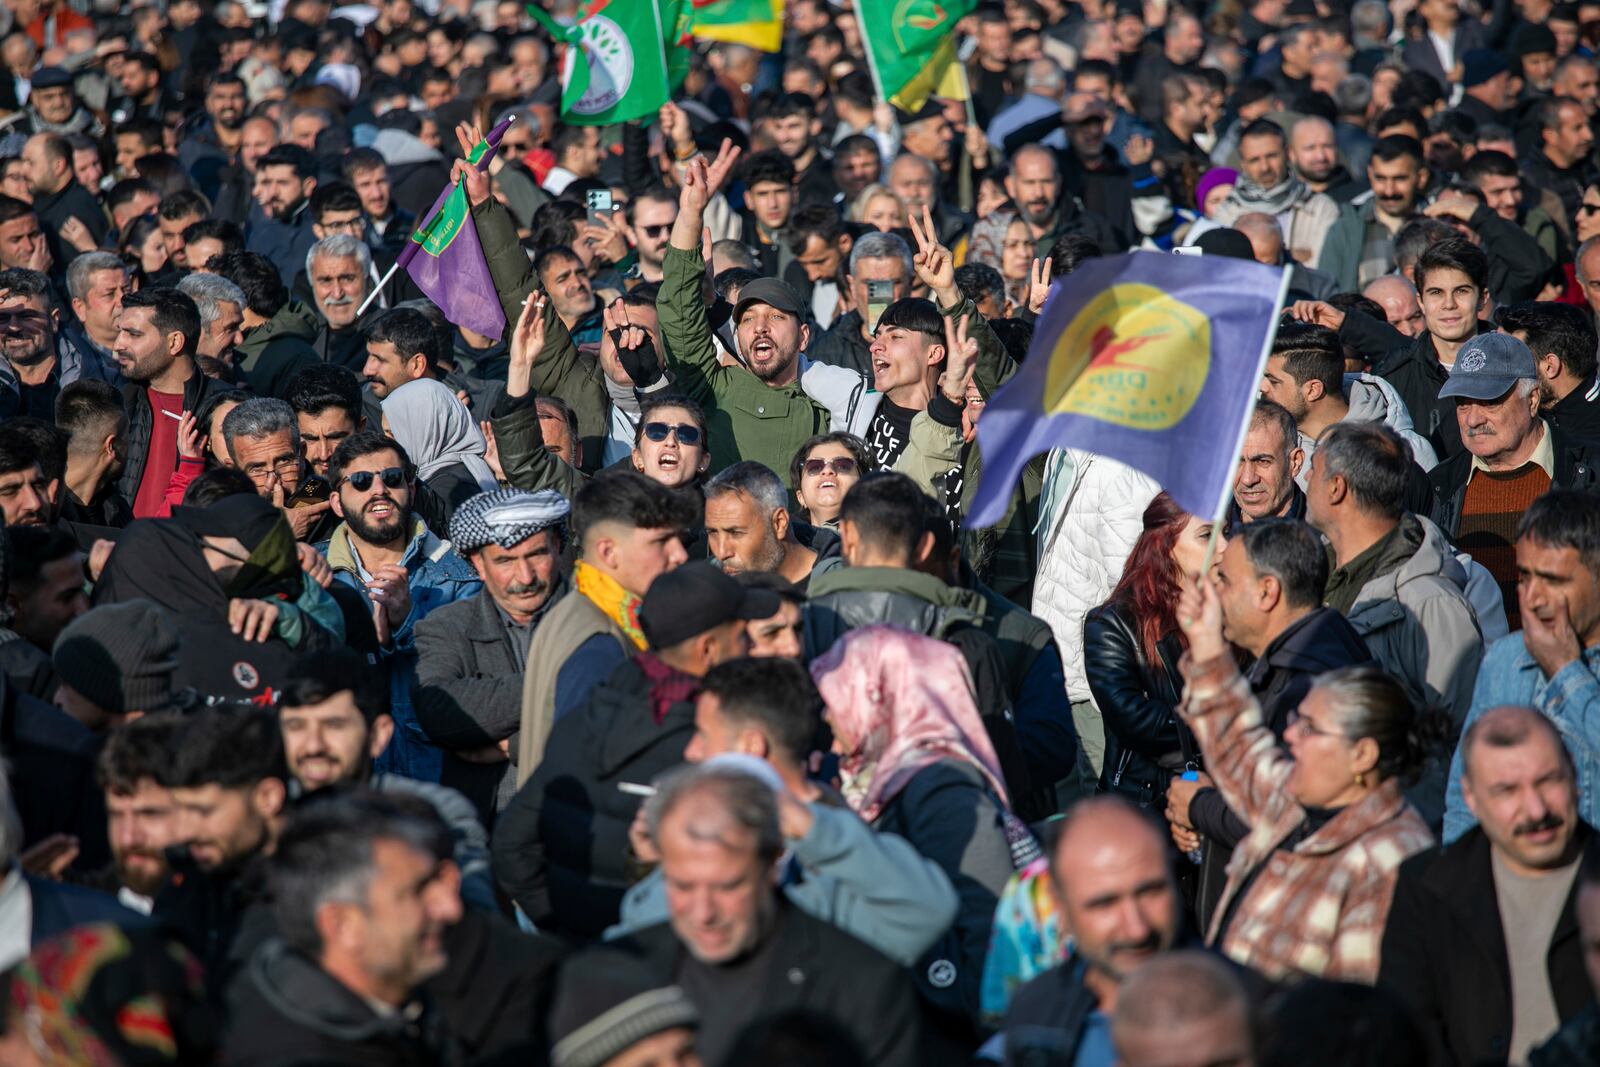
1132, 644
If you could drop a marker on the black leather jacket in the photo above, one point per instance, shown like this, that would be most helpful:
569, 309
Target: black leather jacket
1145, 742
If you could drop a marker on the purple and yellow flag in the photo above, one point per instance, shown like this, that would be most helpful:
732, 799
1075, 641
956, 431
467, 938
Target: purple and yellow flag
446, 261
1151, 359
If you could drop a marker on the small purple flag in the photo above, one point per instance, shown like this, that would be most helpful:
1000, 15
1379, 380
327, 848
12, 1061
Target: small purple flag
1154, 360
446, 260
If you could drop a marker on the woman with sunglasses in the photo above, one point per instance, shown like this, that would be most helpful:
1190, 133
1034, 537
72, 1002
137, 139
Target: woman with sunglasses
670, 445
823, 471
1309, 889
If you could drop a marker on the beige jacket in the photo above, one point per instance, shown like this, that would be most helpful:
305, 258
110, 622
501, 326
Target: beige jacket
570, 623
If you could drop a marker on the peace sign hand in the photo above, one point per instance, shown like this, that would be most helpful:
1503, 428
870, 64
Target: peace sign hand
936, 267
961, 359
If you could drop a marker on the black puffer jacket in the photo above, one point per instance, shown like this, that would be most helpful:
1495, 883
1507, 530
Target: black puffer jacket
140, 420
1145, 743
561, 846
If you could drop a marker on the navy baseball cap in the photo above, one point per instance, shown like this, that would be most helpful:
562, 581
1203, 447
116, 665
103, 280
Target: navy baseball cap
695, 597
1488, 366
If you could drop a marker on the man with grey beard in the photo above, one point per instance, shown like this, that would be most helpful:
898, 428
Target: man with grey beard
339, 268
471, 654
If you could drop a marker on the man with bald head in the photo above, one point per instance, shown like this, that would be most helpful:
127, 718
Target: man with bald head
1118, 896
1266, 242
1398, 298
1183, 1009
1034, 185
1482, 938
1314, 154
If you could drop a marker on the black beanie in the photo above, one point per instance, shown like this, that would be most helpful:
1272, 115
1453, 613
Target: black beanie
120, 657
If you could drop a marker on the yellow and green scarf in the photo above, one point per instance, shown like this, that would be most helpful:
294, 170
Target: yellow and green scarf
605, 593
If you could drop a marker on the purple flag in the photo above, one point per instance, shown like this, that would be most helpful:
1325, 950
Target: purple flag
1154, 360
446, 260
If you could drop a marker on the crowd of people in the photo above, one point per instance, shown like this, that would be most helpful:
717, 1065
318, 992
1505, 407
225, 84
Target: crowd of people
628, 688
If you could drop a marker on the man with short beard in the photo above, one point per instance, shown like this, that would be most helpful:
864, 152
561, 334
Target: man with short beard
471, 654
387, 554
141, 816
285, 178
1314, 154
210, 147
1035, 185
35, 364
748, 526
339, 268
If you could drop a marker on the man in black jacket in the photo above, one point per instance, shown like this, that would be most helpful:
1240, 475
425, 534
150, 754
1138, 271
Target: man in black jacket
1562, 340
1482, 938
340, 982
754, 956
561, 847
471, 654
57, 196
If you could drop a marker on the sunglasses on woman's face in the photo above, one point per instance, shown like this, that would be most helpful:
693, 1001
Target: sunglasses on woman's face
839, 465
688, 436
361, 481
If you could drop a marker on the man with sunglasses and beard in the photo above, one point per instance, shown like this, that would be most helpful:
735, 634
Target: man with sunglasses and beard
471, 654
384, 551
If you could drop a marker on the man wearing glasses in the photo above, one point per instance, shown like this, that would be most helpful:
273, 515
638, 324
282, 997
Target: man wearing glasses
263, 440
652, 214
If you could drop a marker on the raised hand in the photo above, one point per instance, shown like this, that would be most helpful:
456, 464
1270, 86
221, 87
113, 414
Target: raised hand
675, 128
473, 180
1200, 618
1039, 284
314, 564
1554, 644
936, 267
76, 234
1317, 312
961, 359
491, 450
636, 351
722, 166
527, 341
189, 443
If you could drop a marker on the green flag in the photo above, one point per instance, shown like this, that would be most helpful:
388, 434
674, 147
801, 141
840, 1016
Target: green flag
677, 16
757, 23
616, 67
911, 48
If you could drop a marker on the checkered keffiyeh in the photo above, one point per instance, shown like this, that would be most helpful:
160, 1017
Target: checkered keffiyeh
505, 517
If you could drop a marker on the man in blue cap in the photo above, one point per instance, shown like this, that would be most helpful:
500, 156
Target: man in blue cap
1511, 457
1486, 83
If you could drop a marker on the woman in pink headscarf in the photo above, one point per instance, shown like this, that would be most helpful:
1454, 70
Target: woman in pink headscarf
916, 761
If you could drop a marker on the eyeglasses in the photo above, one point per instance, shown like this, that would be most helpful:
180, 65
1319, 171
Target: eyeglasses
1305, 724
520, 147
688, 436
283, 467
361, 481
653, 232
839, 465
1587, 208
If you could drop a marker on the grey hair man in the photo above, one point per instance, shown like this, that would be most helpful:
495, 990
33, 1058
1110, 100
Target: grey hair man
263, 440
221, 305
339, 268
1383, 557
877, 258
719, 835
96, 284
748, 527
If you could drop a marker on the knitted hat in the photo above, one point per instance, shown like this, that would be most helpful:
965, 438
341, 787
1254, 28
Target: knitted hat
1481, 64
606, 1003
1210, 180
120, 657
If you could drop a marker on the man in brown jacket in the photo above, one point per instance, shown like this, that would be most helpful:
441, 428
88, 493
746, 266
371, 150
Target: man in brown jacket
628, 530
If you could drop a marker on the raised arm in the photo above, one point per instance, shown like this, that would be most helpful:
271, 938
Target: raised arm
691, 352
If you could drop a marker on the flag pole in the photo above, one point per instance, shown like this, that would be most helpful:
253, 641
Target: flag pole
482, 165
1220, 517
872, 61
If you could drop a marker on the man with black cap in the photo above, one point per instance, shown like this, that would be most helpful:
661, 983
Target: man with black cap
471, 654
1511, 456
1486, 86
561, 846
53, 106
116, 663
773, 401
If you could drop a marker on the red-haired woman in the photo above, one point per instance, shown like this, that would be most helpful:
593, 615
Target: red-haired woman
1132, 645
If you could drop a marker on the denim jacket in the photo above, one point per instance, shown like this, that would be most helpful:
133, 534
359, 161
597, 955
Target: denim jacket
437, 576
1571, 700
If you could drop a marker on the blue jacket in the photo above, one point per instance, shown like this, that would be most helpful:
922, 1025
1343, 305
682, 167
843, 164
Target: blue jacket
1571, 700
437, 576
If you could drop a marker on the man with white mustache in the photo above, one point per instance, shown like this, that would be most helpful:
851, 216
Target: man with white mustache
339, 268
1512, 456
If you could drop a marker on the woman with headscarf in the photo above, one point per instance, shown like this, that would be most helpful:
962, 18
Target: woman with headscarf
916, 761
1002, 241
437, 432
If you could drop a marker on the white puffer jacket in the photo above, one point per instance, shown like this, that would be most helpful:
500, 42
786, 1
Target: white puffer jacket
1091, 511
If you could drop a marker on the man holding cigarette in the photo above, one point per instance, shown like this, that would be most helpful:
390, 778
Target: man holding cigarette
157, 332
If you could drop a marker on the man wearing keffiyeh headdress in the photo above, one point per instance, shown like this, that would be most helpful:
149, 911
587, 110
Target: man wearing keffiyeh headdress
471, 653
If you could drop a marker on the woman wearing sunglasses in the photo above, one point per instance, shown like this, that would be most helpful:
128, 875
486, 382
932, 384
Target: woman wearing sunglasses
670, 444
823, 471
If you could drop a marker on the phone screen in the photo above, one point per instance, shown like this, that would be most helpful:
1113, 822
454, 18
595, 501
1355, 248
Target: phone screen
879, 296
